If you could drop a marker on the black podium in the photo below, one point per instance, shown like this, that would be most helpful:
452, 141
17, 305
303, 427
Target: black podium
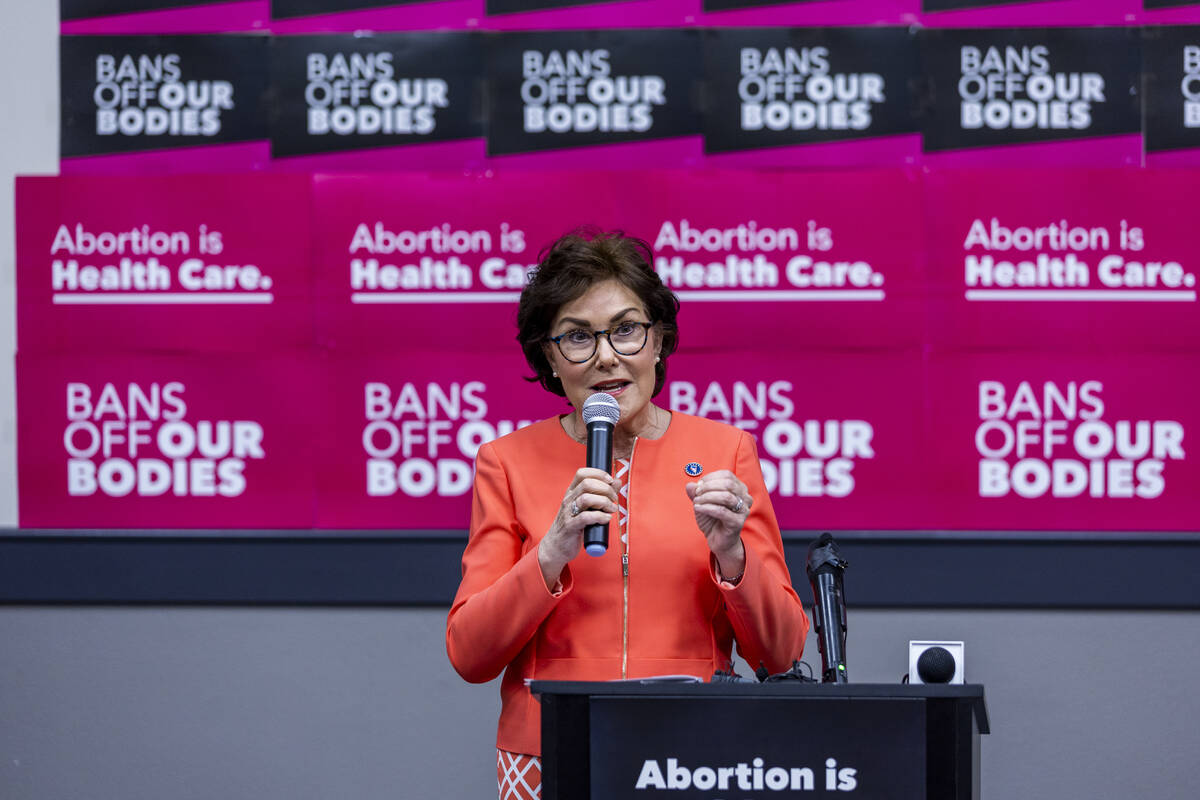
744, 741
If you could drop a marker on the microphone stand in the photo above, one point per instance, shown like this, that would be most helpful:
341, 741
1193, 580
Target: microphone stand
825, 567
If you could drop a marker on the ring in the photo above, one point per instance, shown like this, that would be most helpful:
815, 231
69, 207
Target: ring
574, 509
740, 505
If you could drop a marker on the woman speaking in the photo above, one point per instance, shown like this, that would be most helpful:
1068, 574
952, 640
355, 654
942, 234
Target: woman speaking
695, 560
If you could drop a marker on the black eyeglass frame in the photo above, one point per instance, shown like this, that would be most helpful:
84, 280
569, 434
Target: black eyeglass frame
646, 326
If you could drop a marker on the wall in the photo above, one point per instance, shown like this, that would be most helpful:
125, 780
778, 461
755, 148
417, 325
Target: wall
291, 704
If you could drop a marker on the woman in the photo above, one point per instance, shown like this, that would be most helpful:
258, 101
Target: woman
695, 558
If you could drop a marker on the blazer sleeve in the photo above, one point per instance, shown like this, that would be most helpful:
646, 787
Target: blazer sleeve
768, 619
502, 598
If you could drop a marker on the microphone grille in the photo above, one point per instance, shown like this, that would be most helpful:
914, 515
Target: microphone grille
601, 407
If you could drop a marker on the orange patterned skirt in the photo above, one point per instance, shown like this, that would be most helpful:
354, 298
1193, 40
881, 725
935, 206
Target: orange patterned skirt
519, 776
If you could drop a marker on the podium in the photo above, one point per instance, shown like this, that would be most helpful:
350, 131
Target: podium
742, 741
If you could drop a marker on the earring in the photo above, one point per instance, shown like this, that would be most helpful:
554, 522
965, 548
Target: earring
554, 374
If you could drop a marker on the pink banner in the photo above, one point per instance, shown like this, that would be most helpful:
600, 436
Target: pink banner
397, 450
1058, 442
946, 349
122, 441
837, 433
203, 264
212, 158
482, 15
439, 261
769, 13
403, 431
835, 254
902, 149
219, 17
1063, 260
1170, 12
1114, 151
502, 15
1038, 13
743, 247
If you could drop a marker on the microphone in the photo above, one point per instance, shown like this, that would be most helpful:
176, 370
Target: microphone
825, 567
600, 414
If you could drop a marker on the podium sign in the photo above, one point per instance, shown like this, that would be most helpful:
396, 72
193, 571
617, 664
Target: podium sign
757, 747
746, 741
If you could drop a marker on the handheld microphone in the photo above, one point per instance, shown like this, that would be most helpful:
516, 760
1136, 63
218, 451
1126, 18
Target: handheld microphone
600, 414
825, 567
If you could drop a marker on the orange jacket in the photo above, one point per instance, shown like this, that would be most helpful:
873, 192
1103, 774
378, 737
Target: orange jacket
670, 615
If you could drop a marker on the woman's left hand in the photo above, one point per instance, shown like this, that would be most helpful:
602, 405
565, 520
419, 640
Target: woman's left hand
721, 504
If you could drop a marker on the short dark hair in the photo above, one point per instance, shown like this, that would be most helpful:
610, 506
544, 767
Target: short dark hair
567, 269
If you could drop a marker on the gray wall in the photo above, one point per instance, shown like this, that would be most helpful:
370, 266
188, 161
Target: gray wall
287, 704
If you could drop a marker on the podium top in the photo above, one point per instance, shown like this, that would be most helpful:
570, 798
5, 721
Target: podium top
971, 693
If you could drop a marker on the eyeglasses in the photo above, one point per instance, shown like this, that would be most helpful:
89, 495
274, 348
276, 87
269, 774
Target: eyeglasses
625, 338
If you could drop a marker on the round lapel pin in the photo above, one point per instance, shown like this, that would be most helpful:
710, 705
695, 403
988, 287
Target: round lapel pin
693, 468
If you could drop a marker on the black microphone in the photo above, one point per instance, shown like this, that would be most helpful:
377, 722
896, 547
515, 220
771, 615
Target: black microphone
600, 414
825, 567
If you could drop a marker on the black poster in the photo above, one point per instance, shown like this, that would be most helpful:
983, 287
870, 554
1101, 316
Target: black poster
1171, 83
573, 88
122, 94
778, 86
513, 6
346, 92
85, 9
1168, 3
757, 748
990, 87
288, 9
954, 5
729, 5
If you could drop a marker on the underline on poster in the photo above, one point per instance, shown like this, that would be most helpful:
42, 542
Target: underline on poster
1164, 296
819, 295
170, 298
435, 297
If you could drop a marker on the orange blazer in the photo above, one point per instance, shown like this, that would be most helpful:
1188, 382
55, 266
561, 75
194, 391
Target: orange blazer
670, 615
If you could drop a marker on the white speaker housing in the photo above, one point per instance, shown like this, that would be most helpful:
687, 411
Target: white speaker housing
956, 649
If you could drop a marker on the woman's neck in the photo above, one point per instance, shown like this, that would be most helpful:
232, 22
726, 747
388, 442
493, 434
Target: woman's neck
652, 424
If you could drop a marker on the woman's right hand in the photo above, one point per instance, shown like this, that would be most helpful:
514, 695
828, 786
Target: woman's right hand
590, 499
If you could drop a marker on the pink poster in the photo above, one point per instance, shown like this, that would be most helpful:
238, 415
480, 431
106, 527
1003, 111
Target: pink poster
397, 449
1032, 13
774, 13
439, 260
403, 431
162, 16
811, 260
329, 16
212, 263
419, 321
1170, 12
170, 441
1063, 260
1060, 442
839, 434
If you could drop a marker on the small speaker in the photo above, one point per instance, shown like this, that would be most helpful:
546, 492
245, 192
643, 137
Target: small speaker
936, 662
